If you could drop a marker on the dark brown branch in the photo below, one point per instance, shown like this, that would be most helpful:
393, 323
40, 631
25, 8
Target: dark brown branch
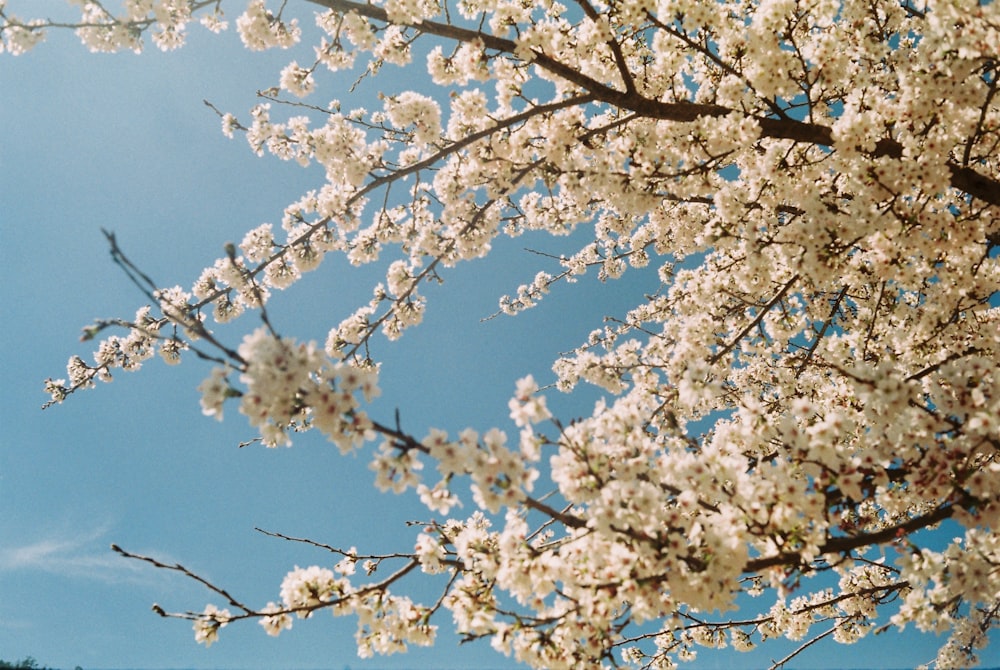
565, 519
250, 613
755, 322
149, 289
963, 178
177, 567
615, 47
801, 648
838, 545
822, 331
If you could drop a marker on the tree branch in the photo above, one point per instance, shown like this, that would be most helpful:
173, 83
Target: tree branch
963, 178
838, 545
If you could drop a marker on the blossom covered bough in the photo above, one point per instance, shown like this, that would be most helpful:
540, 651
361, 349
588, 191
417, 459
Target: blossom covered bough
815, 384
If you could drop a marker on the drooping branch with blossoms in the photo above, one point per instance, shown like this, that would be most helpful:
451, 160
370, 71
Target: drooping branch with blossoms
818, 184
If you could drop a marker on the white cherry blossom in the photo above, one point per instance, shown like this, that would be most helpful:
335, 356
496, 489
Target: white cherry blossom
812, 385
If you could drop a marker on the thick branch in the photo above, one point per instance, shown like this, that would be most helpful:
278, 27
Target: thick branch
839, 545
963, 178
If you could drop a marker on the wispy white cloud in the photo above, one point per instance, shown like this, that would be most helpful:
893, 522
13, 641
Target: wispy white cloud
83, 554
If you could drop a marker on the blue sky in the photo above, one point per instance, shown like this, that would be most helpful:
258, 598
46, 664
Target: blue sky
124, 143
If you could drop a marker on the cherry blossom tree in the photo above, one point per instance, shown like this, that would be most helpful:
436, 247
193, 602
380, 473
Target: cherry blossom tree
814, 386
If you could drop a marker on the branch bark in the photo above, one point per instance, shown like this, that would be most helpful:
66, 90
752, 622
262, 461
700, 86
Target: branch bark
963, 178
839, 545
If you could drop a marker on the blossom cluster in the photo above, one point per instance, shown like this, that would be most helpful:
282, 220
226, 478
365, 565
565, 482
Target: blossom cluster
260, 29
100, 30
287, 386
386, 623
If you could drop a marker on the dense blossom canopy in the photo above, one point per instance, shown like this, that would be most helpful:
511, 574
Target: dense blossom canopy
815, 384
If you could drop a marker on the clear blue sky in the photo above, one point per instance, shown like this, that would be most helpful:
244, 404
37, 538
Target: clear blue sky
124, 143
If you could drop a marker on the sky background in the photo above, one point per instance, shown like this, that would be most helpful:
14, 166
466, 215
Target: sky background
123, 142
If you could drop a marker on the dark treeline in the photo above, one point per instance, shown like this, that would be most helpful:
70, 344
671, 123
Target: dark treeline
27, 663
